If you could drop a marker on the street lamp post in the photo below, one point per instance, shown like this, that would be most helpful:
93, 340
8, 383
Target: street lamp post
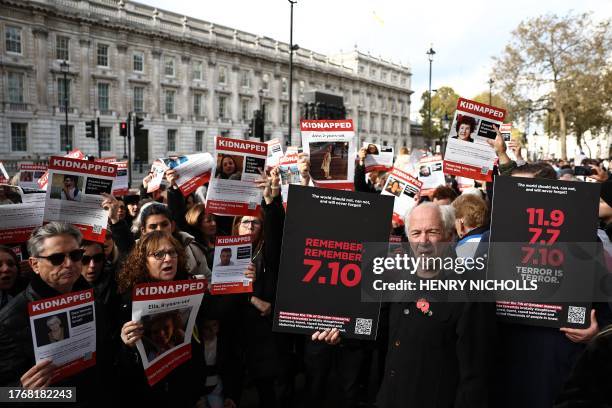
64, 66
491, 82
430, 54
262, 114
291, 49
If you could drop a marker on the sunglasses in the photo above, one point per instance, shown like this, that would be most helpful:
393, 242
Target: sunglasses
161, 255
59, 258
97, 258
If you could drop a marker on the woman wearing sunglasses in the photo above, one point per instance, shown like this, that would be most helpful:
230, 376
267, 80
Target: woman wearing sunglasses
157, 257
98, 273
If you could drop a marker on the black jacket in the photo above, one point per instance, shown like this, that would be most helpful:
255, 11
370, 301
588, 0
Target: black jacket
17, 350
437, 360
360, 181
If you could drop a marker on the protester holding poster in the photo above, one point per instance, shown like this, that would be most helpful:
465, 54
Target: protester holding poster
331, 147
75, 194
232, 190
157, 257
57, 284
430, 173
468, 153
231, 258
405, 189
191, 171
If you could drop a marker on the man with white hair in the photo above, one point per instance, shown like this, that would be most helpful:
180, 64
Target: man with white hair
438, 351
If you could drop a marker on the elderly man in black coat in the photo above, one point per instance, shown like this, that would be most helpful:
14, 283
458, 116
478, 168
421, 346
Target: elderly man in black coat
18, 367
438, 351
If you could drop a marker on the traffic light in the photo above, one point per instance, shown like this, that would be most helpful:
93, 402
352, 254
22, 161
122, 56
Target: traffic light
123, 129
137, 125
90, 129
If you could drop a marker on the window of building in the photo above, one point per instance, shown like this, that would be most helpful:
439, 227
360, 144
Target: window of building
103, 97
105, 139
102, 55
284, 85
15, 87
373, 72
169, 105
171, 140
197, 104
244, 110
138, 62
199, 140
383, 75
222, 75
285, 113
197, 70
138, 99
222, 101
302, 88
169, 67
265, 82
246, 79
62, 48
66, 138
383, 127
266, 109
361, 69
63, 93
19, 137
393, 78
12, 37
361, 122
373, 125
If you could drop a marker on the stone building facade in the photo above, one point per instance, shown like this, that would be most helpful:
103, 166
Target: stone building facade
189, 79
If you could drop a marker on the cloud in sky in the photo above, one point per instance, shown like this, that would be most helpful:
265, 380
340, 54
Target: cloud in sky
465, 34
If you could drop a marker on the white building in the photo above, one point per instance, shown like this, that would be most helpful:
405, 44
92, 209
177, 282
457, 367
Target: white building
189, 79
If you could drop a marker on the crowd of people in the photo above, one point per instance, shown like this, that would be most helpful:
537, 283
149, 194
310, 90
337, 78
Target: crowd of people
457, 356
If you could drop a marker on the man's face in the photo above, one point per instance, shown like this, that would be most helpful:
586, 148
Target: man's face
133, 209
226, 257
426, 235
63, 276
93, 263
68, 183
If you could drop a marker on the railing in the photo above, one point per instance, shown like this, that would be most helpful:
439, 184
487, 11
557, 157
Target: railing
17, 106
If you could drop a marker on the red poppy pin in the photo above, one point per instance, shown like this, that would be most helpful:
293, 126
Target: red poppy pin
423, 305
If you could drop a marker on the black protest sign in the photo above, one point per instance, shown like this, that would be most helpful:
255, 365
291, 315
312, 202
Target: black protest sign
320, 271
545, 230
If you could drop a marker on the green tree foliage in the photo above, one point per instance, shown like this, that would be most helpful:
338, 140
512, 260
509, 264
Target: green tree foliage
443, 105
559, 66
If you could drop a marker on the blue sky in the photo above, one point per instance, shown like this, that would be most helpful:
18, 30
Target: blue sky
465, 34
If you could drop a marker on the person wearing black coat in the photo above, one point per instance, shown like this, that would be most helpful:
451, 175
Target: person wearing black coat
17, 360
360, 174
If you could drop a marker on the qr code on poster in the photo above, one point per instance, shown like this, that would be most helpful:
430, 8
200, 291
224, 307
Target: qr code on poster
97, 229
252, 205
576, 314
484, 170
363, 326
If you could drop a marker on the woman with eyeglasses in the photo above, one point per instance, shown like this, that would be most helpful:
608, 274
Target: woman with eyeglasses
157, 257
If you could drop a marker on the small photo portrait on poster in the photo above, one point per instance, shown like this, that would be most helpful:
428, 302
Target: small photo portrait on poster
372, 149
51, 329
9, 194
164, 331
424, 171
67, 187
329, 160
229, 166
395, 186
225, 257
26, 176
464, 127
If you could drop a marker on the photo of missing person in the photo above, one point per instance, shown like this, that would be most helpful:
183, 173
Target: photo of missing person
464, 127
225, 257
395, 187
164, 331
9, 194
329, 160
26, 176
372, 149
229, 167
51, 329
66, 187
424, 171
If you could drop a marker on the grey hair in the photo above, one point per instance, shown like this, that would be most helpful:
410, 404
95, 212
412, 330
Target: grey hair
53, 319
37, 239
447, 215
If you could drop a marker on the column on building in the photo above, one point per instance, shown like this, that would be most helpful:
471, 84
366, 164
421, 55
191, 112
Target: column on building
186, 138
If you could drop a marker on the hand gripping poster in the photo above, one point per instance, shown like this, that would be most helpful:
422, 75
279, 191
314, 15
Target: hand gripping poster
330, 144
64, 331
319, 282
232, 189
468, 154
168, 312
231, 258
74, 194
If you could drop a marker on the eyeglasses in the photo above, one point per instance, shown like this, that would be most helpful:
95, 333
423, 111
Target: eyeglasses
161, 255
97, 258
252, 222
59, 258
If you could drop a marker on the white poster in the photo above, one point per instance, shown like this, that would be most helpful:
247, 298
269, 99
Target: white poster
231, 258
